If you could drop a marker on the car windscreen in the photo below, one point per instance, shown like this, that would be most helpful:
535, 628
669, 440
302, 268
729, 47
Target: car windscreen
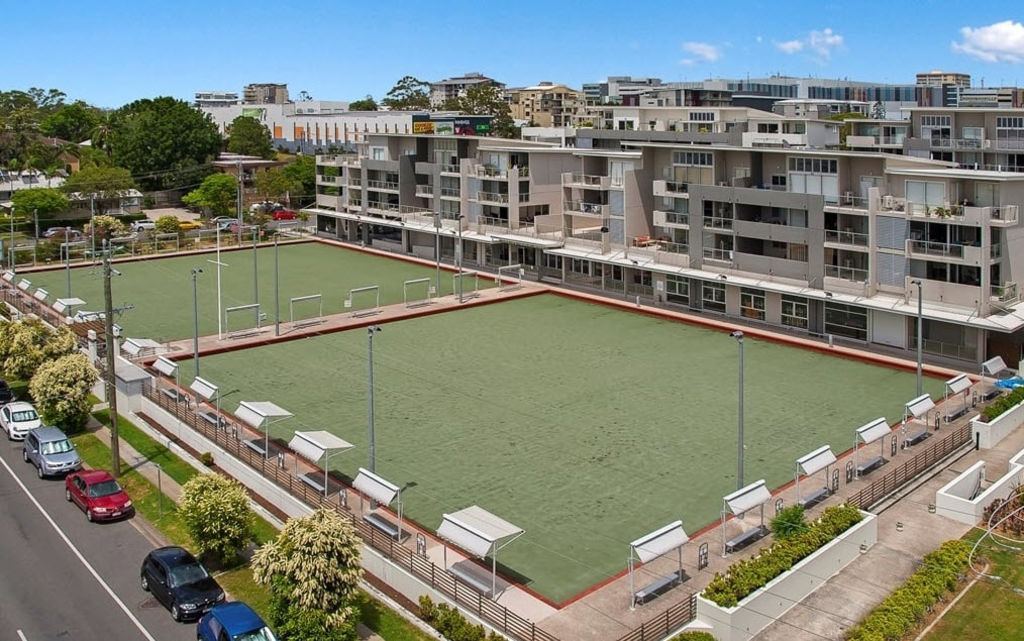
56, 447
188, 573
104, 488
24, 415
263, 634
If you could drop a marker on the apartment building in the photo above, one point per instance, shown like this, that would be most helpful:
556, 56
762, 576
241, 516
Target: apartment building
449, 88
265, 93
545, 105
817, 241
939, 78
216, 99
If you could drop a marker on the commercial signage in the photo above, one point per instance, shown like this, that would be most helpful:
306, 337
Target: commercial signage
424, 127
444, 128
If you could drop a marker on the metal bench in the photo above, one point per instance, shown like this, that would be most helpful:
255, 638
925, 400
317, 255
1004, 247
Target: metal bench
382, 524
992, 393
666, 582
916, 437
745, 539
213, 418
256, 445
952, 416
815, 497
482, 585
312, 481
171, 393
870, 465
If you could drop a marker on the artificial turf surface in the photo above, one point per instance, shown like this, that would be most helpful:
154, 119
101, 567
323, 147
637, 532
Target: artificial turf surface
161, 289
585, 425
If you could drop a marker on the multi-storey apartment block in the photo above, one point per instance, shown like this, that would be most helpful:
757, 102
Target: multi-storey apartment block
545, 105
266, 93
449, 88
830, 243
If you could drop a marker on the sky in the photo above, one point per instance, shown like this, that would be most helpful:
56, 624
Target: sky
111, 52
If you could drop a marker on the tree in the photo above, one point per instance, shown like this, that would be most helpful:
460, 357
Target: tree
408, 94
60, 389
164, 141
366, 104
275, 183
217, 516
167, 225
250, 137
312, 570
844, 131
217, 192
106, 227
42, 200
877, 110
302, 170
107, 184
27, 344
74, 122
484, 99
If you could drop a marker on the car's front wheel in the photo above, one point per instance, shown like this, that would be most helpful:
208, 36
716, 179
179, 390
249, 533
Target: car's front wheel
144, 582
175, 612
24, 456
39, 472
88, 515
67, 495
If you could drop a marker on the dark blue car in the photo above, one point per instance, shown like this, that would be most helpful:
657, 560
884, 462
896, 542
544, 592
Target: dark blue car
233, 621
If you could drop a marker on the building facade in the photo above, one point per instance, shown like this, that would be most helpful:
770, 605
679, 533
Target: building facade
265, 94
545, 105
449, 88
938, 78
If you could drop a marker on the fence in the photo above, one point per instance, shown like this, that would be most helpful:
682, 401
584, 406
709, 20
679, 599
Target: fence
658, 627
895, 479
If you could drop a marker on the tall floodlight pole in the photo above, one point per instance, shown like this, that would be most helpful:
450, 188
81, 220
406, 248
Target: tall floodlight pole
11, 265
371, 330
67, 257
111, 389
277, 293
220, 314
458, 255
437, 248
738, 335
920, 331
92, 223
195, 315
239, 166
255, 272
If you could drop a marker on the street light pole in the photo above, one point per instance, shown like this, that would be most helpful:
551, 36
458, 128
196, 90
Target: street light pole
195, 316
458, 256
371, 330
277, 294
920, 331
437, 248
738, 335
67, 257
12, 240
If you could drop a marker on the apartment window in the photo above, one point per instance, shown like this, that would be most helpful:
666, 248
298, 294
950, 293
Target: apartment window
778, 180
936, 121
713, 296
846, 320
378, 153
814, 165
794, 312
693, 158
702, 116
926, 193
677, 289
814, 176
552, 261
752, 303
579, 266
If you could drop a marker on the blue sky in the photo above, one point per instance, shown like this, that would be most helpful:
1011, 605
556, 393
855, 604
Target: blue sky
111, 52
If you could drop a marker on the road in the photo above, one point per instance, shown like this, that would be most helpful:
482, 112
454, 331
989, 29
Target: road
64, 578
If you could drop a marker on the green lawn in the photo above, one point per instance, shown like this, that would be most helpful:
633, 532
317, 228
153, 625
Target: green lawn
585, 425
161, 289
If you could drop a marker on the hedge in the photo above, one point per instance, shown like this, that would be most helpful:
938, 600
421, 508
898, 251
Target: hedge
1003, 404
451, 624
694, 635
745, 576
906, 607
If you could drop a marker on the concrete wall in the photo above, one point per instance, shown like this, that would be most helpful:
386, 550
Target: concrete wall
988, 435
955, 500
759, 609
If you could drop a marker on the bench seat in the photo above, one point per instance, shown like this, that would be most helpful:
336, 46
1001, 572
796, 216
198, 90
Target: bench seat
952, 416
815, 497
171, 393
664, 583
213, 418
382, 524
917, 437
870, 465
746, 538
256, 445
480, 584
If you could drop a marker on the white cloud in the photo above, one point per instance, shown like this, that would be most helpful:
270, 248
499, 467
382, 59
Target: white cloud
822, 43
702, 50
997, 42
759, 39
789, 46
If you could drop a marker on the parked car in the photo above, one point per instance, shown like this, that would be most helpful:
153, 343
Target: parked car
18, 418
233, 227
143, 225
98, 494
265, 207
50, 450
62, 233
188, 225
233, 621
179, 582
284, 214
221, 220
6, 395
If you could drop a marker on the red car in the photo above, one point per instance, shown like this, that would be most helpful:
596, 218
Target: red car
96, 492
284, 214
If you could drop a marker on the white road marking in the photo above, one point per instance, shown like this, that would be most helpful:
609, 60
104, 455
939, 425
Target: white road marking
71, 546
21, 635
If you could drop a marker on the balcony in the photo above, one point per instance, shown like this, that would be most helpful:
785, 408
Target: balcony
489, 171
847, 238
585, 181
382, 185
670, 188
450, 169
1014, 144
493, 197
1001, 216
382, 208
875, 141
337, 160
850, 204
718, 222
329, 180
760, 139
957, 252
1006, 293
425, 191
354, 182
671, 219
580, 208
852, 274
450, 192
960, 143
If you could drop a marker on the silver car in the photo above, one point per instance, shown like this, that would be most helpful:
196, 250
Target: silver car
50, 451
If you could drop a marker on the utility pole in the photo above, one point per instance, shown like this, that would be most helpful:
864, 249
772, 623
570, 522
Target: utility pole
277, 294
35, 215
108, 310
92, 223
239, 168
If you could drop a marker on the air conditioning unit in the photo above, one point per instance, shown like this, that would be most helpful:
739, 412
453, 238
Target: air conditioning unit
888, 202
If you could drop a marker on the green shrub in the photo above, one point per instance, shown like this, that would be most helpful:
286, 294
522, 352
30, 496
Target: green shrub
747, 575
206, 458
694, 635
1003, 404
451, 624
907, 606
788, 522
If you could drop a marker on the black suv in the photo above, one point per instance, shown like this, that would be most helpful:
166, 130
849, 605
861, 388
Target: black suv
180, 583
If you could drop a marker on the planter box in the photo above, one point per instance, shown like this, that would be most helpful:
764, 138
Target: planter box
960, 500
988, 435
760, 608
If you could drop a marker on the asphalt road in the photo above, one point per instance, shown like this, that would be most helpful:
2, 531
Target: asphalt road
84, 587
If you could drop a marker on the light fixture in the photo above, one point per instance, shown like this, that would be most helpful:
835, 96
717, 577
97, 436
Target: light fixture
723, 277
828, 294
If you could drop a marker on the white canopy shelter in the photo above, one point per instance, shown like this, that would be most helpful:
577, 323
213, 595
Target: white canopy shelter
812, 463
958, 385
653, 545
480, 533
380, 490
24, 284
993, 367
136, 346
40, 294
204, 388
8, 275
739, 503
62, 305
869, 433
166, 366
259, 415
918, 408
314, 445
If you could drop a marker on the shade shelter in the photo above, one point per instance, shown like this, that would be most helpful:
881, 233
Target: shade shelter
738, 504
136, 347
915, 420
994, 368
480, 533
812, 463
313, 446
41, 295
209, 392
383, 492
24, 284
167, 367
260, 415
868, 433
651, 546
65, 305
958, 385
